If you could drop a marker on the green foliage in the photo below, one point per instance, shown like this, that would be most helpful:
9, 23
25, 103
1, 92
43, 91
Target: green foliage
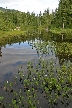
10, 19
63, 14
61, 18
43, 80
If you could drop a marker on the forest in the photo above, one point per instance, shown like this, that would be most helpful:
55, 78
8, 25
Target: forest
60, 18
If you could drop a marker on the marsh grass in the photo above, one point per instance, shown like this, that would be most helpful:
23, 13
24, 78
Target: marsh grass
11, 33
61, 31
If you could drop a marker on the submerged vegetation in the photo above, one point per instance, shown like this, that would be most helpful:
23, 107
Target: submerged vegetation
45, 83
43, 80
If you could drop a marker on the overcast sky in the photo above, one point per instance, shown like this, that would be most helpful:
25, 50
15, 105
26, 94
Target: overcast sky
29, 5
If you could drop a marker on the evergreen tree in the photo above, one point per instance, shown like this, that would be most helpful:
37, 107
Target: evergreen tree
63, 15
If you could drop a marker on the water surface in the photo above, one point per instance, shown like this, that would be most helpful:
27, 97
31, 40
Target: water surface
18, 51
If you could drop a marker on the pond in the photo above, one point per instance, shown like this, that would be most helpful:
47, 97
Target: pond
16, 52
13, 54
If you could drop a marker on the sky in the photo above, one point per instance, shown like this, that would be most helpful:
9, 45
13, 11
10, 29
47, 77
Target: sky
30, 5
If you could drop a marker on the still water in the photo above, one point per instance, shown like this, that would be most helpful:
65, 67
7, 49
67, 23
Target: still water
13, 56
18, 51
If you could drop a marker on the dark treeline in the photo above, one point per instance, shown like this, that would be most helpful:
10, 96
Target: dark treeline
61, 18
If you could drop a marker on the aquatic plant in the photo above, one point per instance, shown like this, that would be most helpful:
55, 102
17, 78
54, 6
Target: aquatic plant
42, 81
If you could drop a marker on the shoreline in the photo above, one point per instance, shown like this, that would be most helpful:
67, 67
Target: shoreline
11, 33
61, 31
4, 34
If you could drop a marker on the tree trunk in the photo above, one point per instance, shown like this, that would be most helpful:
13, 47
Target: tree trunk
40, 23
63, 25
62, 37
